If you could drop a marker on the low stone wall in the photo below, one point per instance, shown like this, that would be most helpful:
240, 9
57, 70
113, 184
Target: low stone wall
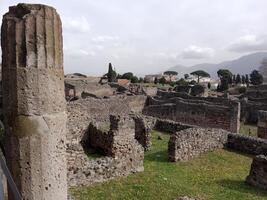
224, 114
189, 143
247, 144
100, 170
258, 172
262, 124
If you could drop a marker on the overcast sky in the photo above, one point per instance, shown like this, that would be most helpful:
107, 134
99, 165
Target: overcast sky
146, 36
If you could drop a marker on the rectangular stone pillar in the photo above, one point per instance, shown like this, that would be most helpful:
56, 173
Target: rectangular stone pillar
262, 124
33, 101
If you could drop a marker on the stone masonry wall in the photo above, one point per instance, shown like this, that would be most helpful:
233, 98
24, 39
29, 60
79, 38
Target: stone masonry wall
189, 143
170, 126
201, 113
145, 124
262, 124
143, 128
247, 144
258, 172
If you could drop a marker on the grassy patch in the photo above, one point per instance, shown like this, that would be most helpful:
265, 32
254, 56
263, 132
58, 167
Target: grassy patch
248, 129
217, 175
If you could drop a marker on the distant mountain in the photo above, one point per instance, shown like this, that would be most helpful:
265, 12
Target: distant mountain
243, 65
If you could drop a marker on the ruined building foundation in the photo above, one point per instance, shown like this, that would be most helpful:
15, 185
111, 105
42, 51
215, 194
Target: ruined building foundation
34, 104
262, 124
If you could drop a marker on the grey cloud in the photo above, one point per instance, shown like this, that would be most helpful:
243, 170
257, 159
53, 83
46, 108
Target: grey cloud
249, 43
196, 52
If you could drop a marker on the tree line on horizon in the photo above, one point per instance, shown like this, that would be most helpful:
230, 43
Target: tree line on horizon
227, 78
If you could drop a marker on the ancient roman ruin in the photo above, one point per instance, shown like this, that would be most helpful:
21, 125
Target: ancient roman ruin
81, 132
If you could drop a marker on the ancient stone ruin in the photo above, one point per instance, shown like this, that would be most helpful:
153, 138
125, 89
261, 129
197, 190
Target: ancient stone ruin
34, 106
189, 143
122, 154
258, 173
203, 112
262, 124
103, 130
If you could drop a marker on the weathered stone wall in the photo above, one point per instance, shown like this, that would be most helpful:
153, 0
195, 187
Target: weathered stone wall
224, 114
143, 128
262, 124
189, 143
33, 101
252, 101
258, 172
250, 110
246, 144
170, 126
123, 153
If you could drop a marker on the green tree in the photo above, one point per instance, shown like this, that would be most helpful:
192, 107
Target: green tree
182, 82
238, 79
134, 79
234, 78
193, 82
118, 76
162, 80
186, 76
243, 79
141, 80
128, 76
256, 78
209, 85
156, 81
171, 73
111, 73
200, 73
224, 72
247, 79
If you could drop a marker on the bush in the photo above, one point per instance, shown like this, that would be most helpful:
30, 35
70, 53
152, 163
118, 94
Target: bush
242, 90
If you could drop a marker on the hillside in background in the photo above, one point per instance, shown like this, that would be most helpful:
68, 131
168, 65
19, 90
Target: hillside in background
243, 65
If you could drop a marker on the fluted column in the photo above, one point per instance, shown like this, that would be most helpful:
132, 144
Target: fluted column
33, 100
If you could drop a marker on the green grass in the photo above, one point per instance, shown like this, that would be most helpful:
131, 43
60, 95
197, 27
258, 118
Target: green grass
213, 176
248, 129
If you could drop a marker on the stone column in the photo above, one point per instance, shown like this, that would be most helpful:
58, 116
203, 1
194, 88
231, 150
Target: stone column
258, 172
262, 124
34, 103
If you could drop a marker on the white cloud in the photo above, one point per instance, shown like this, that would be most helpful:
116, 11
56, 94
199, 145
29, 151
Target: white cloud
76, 24
104, 38
78, 52
196, 52
249, 43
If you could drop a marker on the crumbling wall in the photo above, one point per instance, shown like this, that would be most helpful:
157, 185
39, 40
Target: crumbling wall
215, 114
254, 100
122, 153
250, 110
247, 144
262, 124
258, 172
189, 143
143, 128
145, 124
